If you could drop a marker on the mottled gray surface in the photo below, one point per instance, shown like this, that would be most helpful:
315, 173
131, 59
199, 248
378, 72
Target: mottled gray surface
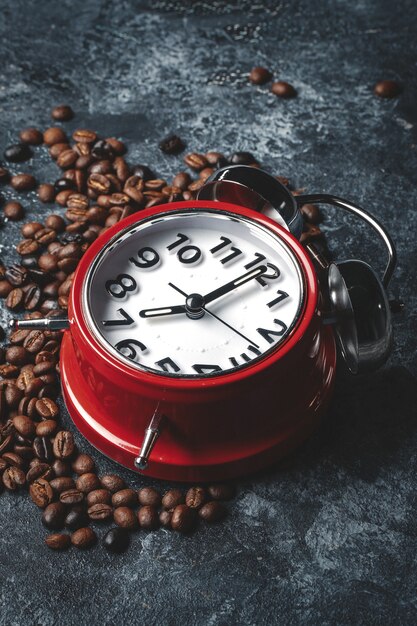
330, 536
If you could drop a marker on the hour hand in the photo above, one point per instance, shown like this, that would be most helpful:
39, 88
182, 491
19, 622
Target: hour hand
166, 310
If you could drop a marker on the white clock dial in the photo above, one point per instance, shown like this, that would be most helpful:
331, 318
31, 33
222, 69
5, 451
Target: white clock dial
193, 293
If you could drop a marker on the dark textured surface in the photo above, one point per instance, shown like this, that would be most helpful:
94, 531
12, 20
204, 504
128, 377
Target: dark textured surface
330, 536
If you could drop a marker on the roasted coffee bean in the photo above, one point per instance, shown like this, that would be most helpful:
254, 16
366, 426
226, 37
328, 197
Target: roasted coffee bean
83, 464
183, 519
87, 482
149, 496
6, 442
172, 498
117, 146
56, 222
172, 145
63, 444
46, 193
8, 371
13, 210
242, 158
182, 180
148, 517
71, 496
67, 158
24, 425
27, 407
82, 135
83, 538
205, 173
112, 482
5, 288
46, 428
165, 518
62, 113
222, 491
23, 182
43, 367
27, 247
41, 492
76, 517
99, 496
116, 540
196, 161
387, 89
14, 460
283, 89
3, 465
17, 355
17, 153
143, 171
61, 468
102, 150
28, 230
34, 387
125, 518
54, 135
259, 75
32, 136
99, 183
32, 297
34, 341
17, 276
47, 409
100, 512
216, 159
14, 300
42, 448
39, 470
45, 236
62, 197
58, 541
212, 512
64, 184
12, 396
56, 149
62, 483
311, 213
125, 497
195, 497
53, 516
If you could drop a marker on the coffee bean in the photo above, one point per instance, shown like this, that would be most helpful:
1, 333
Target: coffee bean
27, 247
196, 161
46, 428
242, 158
260, 75
83, 464
148, 517
125, 497
5, 288
99, 496
12, 397
283, 89
53, 516
58, 541
24, 425
56, 222
82, 135
222, 491
67, 158
195, 497
213, 512
165, 518
112, 482
100, 512
76, 518
39, 470
83, 538
32, 297
61, 483
172, 498
387, 89
62, 113
46, 193
311, 213
42, 448
47, 409
14, 300
17, 153
71, 496
182, 180
183, 519
13, 210
61, 468
117, 146
87, 482
14, 460
116, 540
8, 371
125, 518
41, 492
16, 355
34, 341
23, 182
32, 136
149, 496
143, 171
54, 135
102, 150
172, 145
63, 444
43, 367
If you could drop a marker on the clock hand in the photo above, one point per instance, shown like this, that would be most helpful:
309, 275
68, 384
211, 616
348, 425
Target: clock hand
216, 316
167, 310
233, 284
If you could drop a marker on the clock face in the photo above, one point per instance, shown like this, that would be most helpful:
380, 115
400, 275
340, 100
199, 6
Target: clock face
193, 293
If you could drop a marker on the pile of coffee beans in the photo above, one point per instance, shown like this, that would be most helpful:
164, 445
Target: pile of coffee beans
96, 189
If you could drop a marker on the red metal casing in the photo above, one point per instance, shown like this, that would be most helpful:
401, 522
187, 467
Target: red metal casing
216, 428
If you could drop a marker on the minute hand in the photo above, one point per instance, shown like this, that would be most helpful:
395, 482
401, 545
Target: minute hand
237, 282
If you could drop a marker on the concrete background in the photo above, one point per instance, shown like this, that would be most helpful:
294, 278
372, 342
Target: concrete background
328, 537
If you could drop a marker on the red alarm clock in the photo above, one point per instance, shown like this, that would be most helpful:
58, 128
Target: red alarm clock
201, 339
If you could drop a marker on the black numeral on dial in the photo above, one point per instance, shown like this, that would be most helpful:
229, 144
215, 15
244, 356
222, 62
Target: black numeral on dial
269, 335
225, 242
120, 286
282, 295
127, 347
181, 239
147, 258
202, 368
168, 365
126, 321
272, 274
189, 254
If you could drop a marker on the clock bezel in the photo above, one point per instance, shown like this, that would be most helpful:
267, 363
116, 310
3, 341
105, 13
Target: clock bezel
80, 324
